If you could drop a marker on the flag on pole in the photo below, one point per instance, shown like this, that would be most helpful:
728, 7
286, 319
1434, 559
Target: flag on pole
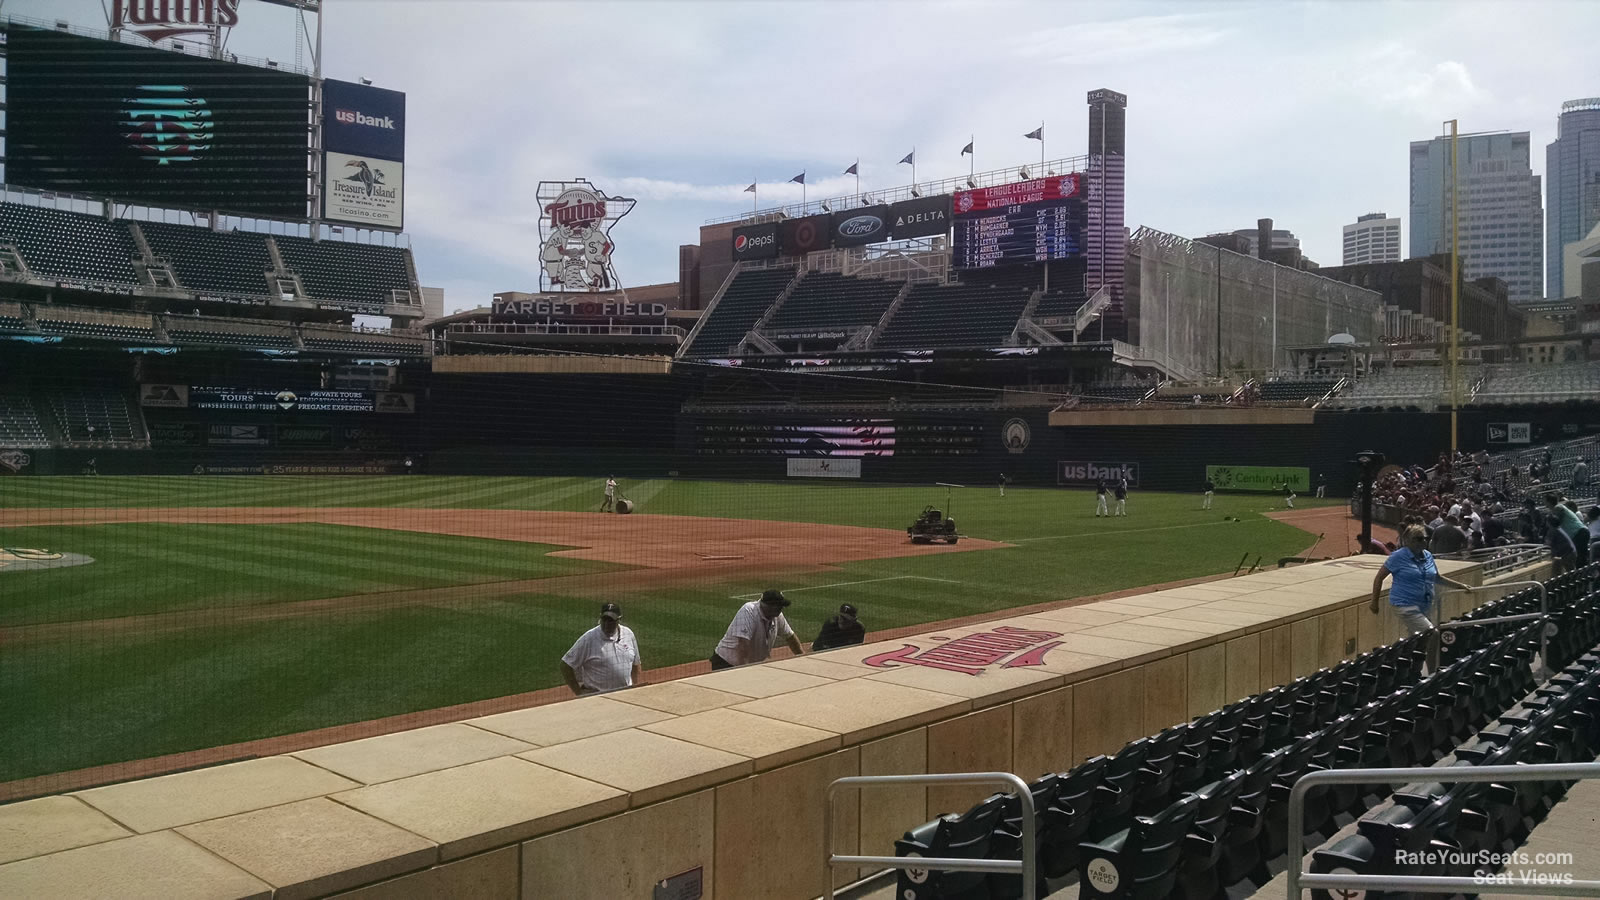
967, 149
798, 179
910, 159
751, 189
855, 168
1036, 134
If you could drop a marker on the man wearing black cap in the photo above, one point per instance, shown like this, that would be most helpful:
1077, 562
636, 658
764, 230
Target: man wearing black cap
754, 629
840, 631
605, 658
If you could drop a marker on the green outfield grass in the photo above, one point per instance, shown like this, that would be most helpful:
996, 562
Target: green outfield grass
109, 696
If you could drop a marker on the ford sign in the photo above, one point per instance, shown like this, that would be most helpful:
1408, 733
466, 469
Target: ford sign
860, 226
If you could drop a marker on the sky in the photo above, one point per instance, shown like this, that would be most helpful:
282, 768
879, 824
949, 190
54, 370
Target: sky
1301, 112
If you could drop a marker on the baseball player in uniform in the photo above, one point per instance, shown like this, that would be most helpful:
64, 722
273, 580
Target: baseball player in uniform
1100, 500
610, 502
1210, 488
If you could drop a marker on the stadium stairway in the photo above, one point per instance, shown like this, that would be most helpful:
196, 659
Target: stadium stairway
1200, 810
743, 302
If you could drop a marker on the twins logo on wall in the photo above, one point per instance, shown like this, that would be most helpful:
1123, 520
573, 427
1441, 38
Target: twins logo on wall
1016, 435
575, 228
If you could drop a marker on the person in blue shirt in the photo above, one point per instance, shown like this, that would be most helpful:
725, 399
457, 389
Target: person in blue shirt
1415, 573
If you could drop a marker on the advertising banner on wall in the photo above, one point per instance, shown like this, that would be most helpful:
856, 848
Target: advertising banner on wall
921, 217
174, 396
1074, 472
805, 235
363, 190
857, 227
1262, 479
755, 242
824, 468
1510, 433
363, 120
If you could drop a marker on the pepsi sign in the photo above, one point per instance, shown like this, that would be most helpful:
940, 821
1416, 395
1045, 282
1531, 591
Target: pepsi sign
858, 227
363, 120
756, 242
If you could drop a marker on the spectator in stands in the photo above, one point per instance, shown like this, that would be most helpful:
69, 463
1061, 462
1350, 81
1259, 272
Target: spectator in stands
1580, 476
1567, 520
1415, 573
840, 630
604, 658
1322, 486
754, 629
1448, 538
1563, 551
1210, 488
1530, 522
1100, 500
1434, 520
1122, 496
1593, 517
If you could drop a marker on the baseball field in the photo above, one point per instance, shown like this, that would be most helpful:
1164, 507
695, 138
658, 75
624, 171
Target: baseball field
205, 611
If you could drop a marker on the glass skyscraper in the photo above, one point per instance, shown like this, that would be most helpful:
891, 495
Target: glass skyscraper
1502, 220
1572, 174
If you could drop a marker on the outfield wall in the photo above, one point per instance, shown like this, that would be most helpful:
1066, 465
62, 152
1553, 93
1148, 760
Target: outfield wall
604, 797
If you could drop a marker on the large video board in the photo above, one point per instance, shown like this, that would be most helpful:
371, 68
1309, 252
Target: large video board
1026, 232
154, 127
1026, 221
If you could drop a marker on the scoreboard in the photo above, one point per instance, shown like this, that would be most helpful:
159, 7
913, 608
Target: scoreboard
1021, 232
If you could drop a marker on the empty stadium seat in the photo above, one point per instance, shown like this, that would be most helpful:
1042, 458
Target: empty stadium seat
744, 301
829, 302
345, 271
205, 261
1299, 390
70, 246
199, 334
20, 427
76, 407
97, 330
960, 315
967, 836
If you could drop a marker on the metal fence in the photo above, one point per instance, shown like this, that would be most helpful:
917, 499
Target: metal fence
1349, 884
1027, 866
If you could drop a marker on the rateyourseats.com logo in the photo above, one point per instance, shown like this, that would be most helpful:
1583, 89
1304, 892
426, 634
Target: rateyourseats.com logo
1494, 868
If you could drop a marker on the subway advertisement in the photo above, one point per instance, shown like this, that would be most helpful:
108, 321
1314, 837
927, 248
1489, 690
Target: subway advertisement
1263, 479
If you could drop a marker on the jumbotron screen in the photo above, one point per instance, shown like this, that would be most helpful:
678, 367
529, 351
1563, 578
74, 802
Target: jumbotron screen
154, 127
1024, 232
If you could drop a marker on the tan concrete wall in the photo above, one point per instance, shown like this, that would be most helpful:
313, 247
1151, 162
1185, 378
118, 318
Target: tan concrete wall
601, 798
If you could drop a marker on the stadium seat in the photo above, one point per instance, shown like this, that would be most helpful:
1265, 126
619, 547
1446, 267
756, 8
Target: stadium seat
959, 315
231, 263
70, 246
744, 301
829, 302
20, 427
347, 272
76, 406
967, 836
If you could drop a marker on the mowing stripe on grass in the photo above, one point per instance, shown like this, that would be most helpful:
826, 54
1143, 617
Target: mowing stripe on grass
1111, 533
818, 587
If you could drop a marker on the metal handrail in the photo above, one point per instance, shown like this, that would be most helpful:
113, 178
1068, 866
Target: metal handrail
1543, 613
1422, 884
1026, 866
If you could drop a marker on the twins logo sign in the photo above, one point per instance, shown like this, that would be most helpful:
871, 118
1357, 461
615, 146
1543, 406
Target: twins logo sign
575, 230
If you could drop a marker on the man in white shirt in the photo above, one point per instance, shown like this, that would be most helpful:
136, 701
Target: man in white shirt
609, 503
754, 629
605, 658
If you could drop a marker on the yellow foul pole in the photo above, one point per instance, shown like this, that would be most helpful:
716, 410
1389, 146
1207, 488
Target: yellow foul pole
1455, 294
